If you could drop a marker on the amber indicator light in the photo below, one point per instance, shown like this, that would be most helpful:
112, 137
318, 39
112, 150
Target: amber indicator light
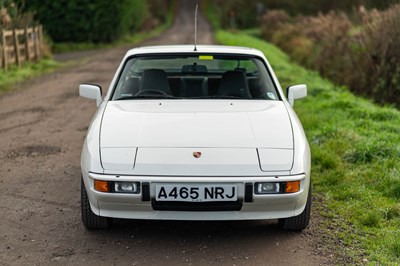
292, 186
101, 186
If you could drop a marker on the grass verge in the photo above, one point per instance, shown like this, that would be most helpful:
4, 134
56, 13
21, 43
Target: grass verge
355, 148
355, 158
29, 70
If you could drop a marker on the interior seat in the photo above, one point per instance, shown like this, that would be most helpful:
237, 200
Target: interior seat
155, 80
194, 86
234, 83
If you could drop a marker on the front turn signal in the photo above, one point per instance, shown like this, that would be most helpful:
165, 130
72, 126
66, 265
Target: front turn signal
101, 186
292, 186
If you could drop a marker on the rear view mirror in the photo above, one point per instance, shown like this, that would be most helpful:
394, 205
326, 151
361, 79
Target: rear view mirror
195, 68
91, 92
296, 92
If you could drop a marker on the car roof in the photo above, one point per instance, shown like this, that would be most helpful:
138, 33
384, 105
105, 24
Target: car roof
201, 49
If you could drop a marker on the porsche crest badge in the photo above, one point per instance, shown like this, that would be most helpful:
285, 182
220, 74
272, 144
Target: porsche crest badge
196, 154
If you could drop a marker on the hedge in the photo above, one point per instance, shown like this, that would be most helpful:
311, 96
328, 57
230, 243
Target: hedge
245, 14
90, 20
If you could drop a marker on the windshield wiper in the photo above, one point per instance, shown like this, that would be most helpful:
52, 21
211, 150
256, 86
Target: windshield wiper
149, 96
219, 97
229, 97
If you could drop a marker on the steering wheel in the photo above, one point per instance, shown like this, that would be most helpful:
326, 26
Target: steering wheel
151, 92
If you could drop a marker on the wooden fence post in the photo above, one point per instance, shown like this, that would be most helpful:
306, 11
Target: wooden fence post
4, 49
40, 40
35, 44
27, 52
16, 48
32, 46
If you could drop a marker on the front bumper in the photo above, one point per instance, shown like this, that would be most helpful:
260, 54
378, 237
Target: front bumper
253, 207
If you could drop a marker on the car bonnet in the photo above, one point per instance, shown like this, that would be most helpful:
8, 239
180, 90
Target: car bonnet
149, 137
196, 123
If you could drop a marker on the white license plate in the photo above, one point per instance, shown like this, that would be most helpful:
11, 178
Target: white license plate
196, 193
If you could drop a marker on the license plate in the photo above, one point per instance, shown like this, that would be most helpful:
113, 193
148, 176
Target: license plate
196, 193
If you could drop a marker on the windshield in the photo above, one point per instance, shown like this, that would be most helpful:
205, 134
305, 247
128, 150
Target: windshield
195, 77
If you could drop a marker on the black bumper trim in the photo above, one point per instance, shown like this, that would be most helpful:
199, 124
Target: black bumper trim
248, 192
145, 191
196, 206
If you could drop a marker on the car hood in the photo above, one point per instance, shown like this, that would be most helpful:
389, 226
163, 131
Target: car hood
161, 137
196, 123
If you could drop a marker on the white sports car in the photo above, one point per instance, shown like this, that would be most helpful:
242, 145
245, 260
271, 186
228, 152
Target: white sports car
195, 134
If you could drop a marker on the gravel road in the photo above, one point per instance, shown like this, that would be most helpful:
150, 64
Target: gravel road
42, 126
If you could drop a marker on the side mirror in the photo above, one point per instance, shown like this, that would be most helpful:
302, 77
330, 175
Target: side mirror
296, 92
91, 92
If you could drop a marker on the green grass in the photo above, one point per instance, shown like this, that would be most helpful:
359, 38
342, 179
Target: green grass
355, 158
29, 70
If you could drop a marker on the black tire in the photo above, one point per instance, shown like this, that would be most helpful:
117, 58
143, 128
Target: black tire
299, 222
90, 220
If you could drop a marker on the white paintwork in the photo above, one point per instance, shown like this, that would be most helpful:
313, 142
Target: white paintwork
180, 161
120, 159
296, 92
153, 141
276, 159
90, 157
196, 123
302, 153
92, 92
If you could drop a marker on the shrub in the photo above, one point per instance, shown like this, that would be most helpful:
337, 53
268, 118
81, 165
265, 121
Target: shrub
5, 18
300, 46
12, 17
272, 21
364, 56
246, 14
319, 42
329, 34
378, 56
158, 11
237, 13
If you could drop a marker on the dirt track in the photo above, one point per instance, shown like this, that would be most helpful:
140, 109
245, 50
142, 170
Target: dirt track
42, 126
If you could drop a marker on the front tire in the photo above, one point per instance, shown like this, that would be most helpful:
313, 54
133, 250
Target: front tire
90, 220
299, 222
